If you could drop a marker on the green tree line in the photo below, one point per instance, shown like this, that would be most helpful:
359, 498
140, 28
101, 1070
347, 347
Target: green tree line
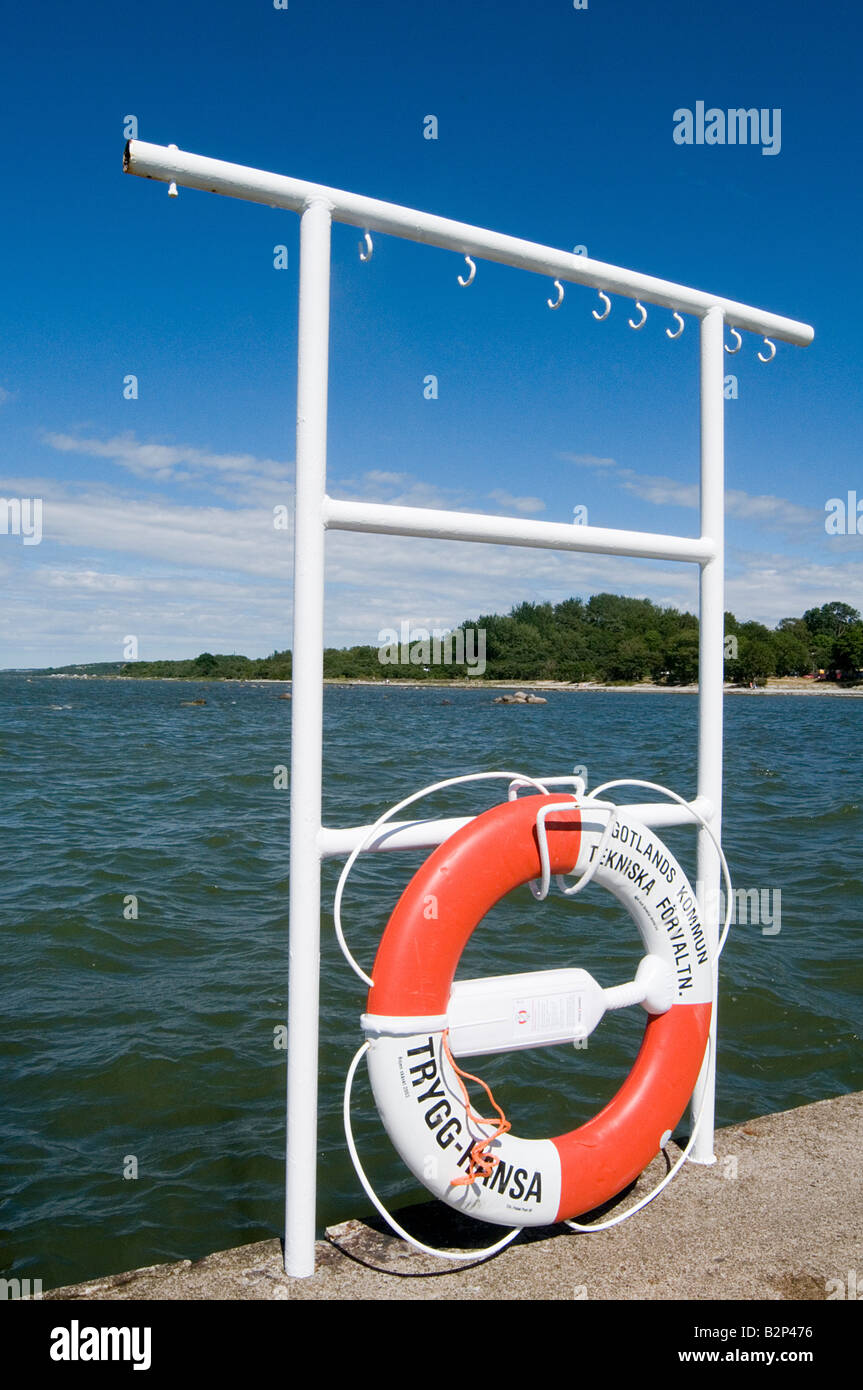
606, 638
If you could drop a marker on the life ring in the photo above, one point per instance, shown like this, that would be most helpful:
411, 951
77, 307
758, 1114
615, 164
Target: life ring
419, 1096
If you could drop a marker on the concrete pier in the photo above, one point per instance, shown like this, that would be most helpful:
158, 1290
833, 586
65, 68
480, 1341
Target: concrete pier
779, 1216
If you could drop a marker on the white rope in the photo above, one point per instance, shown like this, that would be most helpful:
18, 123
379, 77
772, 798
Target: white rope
582, 882
643, 1201
382, 820
375, 1199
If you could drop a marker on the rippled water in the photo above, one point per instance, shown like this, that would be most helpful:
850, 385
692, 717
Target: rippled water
148, 1042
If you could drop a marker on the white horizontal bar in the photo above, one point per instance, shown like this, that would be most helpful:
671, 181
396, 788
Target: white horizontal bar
426, 834
656, 815
380, 518
396, 834
171, 165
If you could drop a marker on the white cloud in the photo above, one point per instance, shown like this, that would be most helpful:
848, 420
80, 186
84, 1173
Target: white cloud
525, 506
770, 587
589, 460
179, 463
187, 577
217, 538
397, 490
773, 512
374, 582
658, 490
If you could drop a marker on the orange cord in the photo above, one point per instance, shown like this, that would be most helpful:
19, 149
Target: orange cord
482, 1164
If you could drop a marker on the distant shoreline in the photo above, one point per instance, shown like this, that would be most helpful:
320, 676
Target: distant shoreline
786, 685
790, 685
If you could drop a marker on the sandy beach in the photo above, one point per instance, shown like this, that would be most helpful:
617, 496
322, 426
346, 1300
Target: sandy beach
778, 685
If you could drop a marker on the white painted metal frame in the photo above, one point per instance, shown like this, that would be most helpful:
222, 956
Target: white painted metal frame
316, 513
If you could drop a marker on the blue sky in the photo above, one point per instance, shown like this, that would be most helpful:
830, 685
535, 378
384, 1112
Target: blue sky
555, 124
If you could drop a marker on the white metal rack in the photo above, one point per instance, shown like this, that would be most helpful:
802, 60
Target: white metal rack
316, 513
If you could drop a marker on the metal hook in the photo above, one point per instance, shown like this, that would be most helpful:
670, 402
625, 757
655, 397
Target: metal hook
172, 187
643, 320
556, 303
607, 302
772, 347
472, 269
366, 254
668, 332
731, 351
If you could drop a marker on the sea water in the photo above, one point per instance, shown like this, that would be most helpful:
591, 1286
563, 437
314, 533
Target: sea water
143, 921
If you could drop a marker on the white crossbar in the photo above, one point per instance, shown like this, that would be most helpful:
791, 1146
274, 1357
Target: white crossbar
426, 834
170, 165
504, 530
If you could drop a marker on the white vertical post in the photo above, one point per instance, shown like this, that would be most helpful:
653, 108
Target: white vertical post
711, 675
306, 741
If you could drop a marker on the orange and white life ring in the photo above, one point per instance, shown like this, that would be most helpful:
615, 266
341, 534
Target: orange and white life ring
414, 1008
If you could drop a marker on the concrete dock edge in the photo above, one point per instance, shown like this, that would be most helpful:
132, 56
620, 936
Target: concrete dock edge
779, 1216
